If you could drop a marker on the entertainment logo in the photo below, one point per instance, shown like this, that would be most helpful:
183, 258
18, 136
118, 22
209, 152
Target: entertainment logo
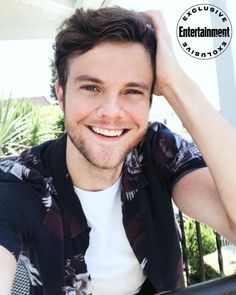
204, 31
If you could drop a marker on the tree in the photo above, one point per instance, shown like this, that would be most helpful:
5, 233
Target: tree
54, 77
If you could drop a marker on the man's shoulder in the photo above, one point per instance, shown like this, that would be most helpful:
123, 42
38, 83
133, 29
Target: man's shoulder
24, 166
158, 136
170, 154
158, 129
27, 172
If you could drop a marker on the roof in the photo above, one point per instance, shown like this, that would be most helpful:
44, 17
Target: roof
40, 101
37, 101
39, 19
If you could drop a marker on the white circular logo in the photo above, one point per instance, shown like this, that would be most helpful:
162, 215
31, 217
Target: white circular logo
204, 31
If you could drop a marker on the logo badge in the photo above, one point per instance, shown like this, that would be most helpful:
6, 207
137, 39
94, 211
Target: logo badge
204, 31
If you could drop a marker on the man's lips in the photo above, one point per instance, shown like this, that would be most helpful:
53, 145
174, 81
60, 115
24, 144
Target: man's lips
108, 132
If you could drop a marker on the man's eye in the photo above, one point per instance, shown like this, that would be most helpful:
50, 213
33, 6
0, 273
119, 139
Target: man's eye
133, 91
90, 88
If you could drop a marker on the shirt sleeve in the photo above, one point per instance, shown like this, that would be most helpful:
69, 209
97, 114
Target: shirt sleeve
10, 219
173, 155
19, 215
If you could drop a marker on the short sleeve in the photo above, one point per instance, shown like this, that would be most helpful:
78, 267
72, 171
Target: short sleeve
11, 220
173, 155
20, 215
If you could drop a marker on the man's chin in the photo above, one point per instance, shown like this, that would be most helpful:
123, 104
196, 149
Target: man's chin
105, 163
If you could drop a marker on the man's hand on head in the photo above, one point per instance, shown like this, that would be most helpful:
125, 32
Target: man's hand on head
168, 71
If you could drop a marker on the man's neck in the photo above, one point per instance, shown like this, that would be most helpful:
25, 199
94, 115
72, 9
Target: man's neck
87, 176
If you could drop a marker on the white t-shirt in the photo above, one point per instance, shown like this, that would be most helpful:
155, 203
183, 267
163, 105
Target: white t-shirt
113, 267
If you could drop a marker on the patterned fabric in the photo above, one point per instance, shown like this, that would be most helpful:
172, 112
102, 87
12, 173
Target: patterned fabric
21, 284
42, 218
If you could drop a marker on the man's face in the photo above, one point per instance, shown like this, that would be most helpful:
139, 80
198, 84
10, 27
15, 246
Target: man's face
106, 102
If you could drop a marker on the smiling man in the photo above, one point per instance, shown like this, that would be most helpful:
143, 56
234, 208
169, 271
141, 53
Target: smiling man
106, 112
91, 213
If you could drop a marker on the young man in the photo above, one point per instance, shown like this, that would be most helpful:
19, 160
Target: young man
91, 212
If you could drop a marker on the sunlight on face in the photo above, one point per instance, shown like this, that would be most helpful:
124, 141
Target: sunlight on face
107, 101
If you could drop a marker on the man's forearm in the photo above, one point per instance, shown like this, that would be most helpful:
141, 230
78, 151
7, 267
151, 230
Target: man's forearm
215, 137
7, 271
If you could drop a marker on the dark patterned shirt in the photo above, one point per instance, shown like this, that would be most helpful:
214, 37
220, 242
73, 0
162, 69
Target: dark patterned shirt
42, 222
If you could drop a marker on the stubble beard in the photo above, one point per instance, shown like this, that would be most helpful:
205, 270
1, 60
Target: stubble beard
107, 160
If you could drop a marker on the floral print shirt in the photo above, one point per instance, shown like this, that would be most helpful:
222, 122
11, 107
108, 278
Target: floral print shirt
43, 224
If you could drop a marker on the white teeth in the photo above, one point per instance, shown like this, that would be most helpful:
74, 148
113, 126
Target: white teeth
107, 132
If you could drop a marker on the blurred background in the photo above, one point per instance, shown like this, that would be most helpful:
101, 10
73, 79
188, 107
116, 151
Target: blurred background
28, 28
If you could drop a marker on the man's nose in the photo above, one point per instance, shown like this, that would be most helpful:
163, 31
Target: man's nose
110, 106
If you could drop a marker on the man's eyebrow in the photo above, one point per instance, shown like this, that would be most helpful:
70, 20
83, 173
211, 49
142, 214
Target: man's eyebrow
83, 78
142, 85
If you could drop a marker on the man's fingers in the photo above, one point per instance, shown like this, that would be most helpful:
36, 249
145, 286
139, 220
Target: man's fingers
157, 20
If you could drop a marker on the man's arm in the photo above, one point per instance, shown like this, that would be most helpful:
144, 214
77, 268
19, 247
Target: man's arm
209, 197
7, 271
195, 195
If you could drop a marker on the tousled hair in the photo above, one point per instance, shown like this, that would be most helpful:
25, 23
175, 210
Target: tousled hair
86, 29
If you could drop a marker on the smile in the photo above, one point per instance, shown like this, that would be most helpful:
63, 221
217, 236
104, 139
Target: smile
106, 132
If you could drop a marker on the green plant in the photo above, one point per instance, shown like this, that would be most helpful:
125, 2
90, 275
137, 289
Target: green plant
23, 125
210, 273
13, 127
208, 246
33, 136
60, 125
49, 116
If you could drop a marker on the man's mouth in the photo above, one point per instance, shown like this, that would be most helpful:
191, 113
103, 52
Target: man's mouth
108, 132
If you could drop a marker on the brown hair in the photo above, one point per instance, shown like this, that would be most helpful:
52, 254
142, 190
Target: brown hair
86, 29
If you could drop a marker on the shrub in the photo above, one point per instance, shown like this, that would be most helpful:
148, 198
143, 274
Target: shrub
48, 117
208, 245
60, 125
210, 273
23, 125
13, 126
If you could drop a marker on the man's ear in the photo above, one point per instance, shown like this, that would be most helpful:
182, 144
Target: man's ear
60, 95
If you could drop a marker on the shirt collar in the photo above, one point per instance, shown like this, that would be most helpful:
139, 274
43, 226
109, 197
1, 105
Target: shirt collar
74, 219
133, 177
